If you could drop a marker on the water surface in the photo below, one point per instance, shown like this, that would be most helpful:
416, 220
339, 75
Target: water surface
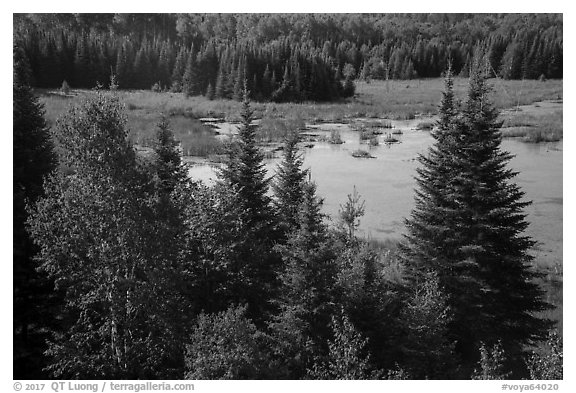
387, 182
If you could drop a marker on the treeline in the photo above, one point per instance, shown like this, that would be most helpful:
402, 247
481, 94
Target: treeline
291, 57
141, 272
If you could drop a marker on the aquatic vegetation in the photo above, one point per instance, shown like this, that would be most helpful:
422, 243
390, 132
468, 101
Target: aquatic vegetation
335, 138
425, 126
362, 154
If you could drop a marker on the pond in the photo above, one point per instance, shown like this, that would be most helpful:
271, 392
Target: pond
387, 182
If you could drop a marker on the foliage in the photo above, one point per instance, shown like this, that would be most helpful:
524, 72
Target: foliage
548, 364
345, 358
467, 227
245, 173
335, 137
288, 185
65, 88
426, 315
305, 299
34, 159
351, 212
226, 345
284, 57
491, 363
169, 168
124, 314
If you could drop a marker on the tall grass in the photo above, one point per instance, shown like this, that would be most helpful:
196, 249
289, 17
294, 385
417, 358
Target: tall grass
534, 127
399, 100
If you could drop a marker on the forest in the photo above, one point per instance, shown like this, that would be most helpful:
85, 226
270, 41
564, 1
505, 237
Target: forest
125, 267
284, 57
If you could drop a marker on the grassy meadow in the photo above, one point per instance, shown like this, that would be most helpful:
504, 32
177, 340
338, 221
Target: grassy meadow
377, 99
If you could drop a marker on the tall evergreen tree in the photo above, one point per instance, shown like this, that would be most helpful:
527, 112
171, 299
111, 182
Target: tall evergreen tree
306, 296
289, 183
245, 173
468, 226
190, 79
169, 168
34, 159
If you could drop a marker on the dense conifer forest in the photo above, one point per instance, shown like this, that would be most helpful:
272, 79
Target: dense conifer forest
127, 268
292, 57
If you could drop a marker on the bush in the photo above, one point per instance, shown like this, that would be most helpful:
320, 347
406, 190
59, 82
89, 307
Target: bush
65, 88
491, 364
547, 364
156, 88
425, 126
335, 138
226, 345
347, 358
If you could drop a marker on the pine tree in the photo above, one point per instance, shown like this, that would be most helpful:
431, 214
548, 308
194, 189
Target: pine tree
289, 183
34, 159
468, 226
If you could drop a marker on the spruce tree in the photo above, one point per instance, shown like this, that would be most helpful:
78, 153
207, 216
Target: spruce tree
245, 173
178, 70
169, 168
288, 185
306, 296
467, 226
190, 82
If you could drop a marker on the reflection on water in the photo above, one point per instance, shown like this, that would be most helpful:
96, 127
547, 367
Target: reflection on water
387, 182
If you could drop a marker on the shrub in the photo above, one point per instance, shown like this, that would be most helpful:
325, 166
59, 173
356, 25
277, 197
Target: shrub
65, 88
335, 137
425, 125
547, 364
491, 363
226, 345
156, 88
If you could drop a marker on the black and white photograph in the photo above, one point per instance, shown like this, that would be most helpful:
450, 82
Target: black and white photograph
287, 196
